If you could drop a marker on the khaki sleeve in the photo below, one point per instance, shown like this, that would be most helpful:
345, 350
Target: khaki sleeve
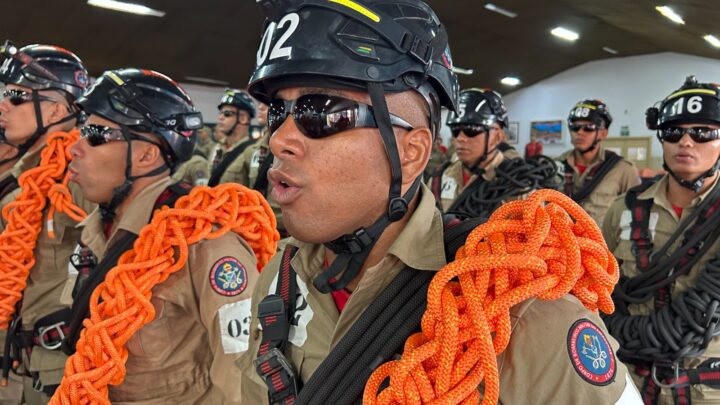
224, 274
611, 223
561, 353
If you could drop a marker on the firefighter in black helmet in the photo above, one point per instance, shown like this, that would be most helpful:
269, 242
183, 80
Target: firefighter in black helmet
42, 83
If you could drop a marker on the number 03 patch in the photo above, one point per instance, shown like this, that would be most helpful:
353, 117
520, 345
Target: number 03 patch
228, 277
590, 353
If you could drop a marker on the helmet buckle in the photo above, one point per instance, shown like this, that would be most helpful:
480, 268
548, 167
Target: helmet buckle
397, 208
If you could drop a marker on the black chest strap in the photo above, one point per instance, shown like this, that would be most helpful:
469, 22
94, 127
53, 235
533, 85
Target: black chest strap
229, 157
276, 313
8, 185
593, 179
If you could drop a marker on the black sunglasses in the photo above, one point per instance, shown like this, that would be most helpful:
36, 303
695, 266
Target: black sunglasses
319, 116
228, 113
471, 131
697, 134
583, 127
97, 135
17, 97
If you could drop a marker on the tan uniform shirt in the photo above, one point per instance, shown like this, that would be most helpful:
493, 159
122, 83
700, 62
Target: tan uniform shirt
452, 184
663, 222
206, 148
536, 366
239, 170
186, 354
620, 179
195, 171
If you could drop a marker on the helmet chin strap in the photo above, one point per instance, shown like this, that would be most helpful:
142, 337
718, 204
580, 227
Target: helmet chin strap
696, 184
40, 130
594, 145
476, 169
120, 193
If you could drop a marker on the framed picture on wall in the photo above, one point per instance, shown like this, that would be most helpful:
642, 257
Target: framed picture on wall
513, 133
547, 132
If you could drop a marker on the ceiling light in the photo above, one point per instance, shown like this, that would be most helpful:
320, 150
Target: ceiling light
714, 41
610, 50
565, 34
462, 71
510, 81
500, 10
126, 7
670, 14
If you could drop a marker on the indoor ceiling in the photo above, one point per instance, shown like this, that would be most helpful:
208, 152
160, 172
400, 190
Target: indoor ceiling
217, 39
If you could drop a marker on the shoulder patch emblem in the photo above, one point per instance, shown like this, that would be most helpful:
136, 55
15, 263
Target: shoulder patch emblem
590, 353
228, 277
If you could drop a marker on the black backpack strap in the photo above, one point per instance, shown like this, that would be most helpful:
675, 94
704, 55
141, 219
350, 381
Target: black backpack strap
595, 176
261, 182
8, 185
81, 301
226, 160
380, 332
275, 313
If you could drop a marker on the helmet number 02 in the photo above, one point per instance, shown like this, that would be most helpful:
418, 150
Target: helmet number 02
292, 21
694, 105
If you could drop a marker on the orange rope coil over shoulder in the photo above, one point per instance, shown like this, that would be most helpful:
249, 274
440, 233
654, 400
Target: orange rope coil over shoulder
121, 305
24, 216
544, 247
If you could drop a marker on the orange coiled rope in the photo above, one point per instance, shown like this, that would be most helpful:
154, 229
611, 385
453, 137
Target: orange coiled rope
121, 305
24, 216
544, 247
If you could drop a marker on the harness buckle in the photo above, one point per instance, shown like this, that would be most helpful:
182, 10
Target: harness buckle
676, 372
37, 385
278, 374
43, 331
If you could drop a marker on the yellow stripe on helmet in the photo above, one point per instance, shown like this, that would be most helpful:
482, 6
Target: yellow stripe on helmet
359, 8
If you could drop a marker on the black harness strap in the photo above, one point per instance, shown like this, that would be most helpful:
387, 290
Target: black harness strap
276, 313
261, 182
593, 179
81, 302
8, 185
229, 157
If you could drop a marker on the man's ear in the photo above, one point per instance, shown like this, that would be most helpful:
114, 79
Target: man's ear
414, 148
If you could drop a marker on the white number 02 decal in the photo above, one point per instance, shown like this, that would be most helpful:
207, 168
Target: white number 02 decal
291, 20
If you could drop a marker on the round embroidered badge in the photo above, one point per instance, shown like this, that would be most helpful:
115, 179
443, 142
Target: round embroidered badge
590, 353
228, 277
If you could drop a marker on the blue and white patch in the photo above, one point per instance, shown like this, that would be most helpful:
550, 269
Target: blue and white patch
590, 353
228, 277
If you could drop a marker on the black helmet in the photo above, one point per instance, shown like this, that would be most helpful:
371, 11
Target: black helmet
376, 46
146, 101
43, 67
479, 107
696, 103
693, 103
592, 110
238, 99
398, 43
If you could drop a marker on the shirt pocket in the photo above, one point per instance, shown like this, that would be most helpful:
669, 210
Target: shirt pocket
151, 343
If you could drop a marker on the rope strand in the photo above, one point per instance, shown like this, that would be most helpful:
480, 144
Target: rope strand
544, 247
121, 305
47, 181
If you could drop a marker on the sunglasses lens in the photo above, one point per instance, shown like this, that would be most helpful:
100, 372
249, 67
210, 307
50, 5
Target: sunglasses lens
698, 135
16, 97
319, 116
671, 135
470, 131
276, 114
